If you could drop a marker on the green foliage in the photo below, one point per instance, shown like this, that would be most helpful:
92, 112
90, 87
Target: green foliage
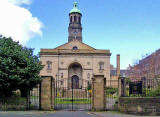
111, 91
153, 92
19, 68
147, 92
128, 80
13, 103
14, 100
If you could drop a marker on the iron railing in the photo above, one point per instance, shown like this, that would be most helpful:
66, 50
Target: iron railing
142, 87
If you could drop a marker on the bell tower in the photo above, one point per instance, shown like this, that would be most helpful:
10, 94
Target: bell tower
75, 26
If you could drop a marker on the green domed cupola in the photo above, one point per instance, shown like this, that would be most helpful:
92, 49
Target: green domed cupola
75, 8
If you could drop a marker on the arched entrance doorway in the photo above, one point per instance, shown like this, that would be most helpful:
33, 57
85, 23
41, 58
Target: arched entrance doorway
75, 82
75, 76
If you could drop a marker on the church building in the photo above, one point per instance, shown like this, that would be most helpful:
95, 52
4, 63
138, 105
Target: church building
75, 62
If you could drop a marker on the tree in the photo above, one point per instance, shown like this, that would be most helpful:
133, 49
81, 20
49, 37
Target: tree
19, 68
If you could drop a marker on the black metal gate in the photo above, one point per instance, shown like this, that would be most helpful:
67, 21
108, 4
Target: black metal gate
111, 94
72, 94
33, 98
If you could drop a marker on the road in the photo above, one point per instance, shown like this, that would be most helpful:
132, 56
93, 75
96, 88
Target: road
64, 114
46, 114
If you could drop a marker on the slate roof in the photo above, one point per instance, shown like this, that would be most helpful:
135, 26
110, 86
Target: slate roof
122, 72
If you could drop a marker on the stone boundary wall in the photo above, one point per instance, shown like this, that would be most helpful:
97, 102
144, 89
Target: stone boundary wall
140, 105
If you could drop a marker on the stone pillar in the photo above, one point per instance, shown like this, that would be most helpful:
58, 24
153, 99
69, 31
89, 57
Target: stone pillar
98, 95
47, 93
121, 86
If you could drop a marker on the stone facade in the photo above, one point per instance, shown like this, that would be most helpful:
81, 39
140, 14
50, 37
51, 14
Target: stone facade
61, 62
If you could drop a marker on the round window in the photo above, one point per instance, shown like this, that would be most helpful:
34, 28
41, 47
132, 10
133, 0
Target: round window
75, 48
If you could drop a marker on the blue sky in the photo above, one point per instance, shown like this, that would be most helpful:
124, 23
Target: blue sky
130, 28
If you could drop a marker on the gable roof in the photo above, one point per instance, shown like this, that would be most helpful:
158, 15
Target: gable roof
78, 44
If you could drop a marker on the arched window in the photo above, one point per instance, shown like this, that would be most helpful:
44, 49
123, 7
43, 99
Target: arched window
75, 48
79, 19
101, 65
75, 18
71, 19
49, 65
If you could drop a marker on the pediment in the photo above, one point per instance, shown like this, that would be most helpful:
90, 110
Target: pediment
75, 43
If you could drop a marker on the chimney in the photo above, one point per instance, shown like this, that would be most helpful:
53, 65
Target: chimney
118, 64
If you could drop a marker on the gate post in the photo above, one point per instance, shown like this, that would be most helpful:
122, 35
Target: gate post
98, 95
121, 86
46, 93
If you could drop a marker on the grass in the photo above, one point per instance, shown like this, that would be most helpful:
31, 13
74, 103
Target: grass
34, 97
75, 101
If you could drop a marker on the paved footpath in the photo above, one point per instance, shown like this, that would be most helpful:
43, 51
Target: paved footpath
64, 114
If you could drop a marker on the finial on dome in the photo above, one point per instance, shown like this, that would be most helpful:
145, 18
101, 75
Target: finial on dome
75, 4
75, 8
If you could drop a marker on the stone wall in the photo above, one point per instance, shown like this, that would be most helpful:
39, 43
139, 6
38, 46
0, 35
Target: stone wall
140, 105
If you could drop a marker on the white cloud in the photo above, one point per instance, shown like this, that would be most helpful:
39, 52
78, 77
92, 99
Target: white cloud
17, 22
20, 2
